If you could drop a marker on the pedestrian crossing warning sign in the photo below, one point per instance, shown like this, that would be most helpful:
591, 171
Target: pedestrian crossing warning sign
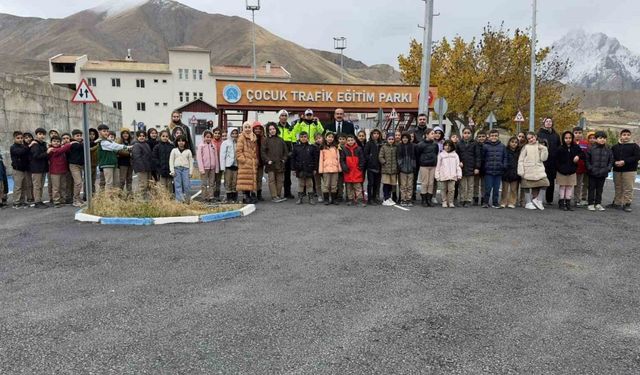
84, 94
519, 117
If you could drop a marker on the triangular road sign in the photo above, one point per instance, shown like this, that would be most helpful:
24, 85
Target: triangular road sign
491, 119
84, 94
519, 117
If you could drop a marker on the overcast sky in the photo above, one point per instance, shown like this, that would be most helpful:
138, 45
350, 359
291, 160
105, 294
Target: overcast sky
378, 30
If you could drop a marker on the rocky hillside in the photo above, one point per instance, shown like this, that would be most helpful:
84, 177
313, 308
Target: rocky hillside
150, 27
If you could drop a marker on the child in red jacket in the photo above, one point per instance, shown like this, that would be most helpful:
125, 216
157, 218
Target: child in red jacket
353, 164
58, 166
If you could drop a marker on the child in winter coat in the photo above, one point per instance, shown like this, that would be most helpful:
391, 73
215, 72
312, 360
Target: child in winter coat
625, 164
567, 157
494, 159
304, 161
510, 178
582, 178
181, 165
470, 153
207, 156
274, 155
20, 164
353, 166
124, 161
58, 166
229, 164
427, 159
371, 154
107, 155
142, 162
388, 168
160, 155
38, 165
478, 180
448, 171
599, 162
342, 141
317, 177
217, 142
329, 167
531, 169
406, 159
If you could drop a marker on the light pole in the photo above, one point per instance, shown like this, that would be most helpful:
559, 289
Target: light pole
254, 5
340, 43
532, 104
425, 72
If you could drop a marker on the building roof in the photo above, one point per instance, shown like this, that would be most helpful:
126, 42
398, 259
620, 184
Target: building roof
247, 71
188, 48
126, 66
65, 59
198, 105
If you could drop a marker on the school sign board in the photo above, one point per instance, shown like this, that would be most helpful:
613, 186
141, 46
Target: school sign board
249, 95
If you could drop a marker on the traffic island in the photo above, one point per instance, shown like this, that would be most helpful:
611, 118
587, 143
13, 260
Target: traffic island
159, 207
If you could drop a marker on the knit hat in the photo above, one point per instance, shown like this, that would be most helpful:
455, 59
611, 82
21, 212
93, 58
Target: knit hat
438, 129
40, 130
391, 135
283, 112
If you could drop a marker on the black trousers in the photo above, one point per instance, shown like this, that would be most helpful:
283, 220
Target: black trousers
287, 178
415, 183
596, 184
551, 189
373, 185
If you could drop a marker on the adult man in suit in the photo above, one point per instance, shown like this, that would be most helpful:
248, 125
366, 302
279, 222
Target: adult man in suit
340, 125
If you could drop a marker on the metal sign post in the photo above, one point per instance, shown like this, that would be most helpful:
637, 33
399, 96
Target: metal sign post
84, 95
519, 120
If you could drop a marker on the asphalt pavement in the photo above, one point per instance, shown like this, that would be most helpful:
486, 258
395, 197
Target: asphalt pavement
323, 290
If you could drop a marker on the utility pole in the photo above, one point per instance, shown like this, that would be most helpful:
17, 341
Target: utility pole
253, 6
425, 73
532, 105
340, 43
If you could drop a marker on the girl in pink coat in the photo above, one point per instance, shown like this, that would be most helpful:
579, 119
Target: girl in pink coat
448, 171
208, 159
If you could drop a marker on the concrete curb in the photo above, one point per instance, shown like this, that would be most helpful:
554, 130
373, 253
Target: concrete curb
86, 218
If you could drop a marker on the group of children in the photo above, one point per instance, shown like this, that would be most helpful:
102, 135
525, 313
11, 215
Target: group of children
152, 156
467, 170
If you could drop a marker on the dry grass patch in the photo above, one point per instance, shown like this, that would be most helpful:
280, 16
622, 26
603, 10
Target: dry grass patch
160, 203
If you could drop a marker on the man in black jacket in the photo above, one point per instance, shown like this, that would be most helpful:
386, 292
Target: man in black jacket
419, 134
339, 125
549, 136
38, 165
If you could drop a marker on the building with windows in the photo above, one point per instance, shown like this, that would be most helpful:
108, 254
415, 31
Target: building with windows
148, 92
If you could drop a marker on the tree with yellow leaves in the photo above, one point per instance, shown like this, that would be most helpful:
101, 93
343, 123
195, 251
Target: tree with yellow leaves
494, 75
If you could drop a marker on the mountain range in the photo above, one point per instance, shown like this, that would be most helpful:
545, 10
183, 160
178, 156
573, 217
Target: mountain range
150, 27
598, 62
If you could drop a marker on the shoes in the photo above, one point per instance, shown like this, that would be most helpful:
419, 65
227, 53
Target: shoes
349, 203
627, 207
362, 203
410, 204
320, 198
475, 201
429, 200
389, 202
451, 205
485, 206
334, 199
40, 205
497, 206
77, 204
511, 206
300, 195
536, 202
326, 199
312, 200
502, 206
614, 206
444, 204
530, 206
591, 207
599, 207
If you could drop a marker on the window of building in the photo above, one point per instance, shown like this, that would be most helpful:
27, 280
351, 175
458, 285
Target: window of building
186, 97
200, 95
165, 104
164, 81
186, 74
115, 82
157, 104
117, 105
179, 73
92, 82
155, 81
181, 96
200, 74
195, 74
140, 83
141, 106
195, 95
